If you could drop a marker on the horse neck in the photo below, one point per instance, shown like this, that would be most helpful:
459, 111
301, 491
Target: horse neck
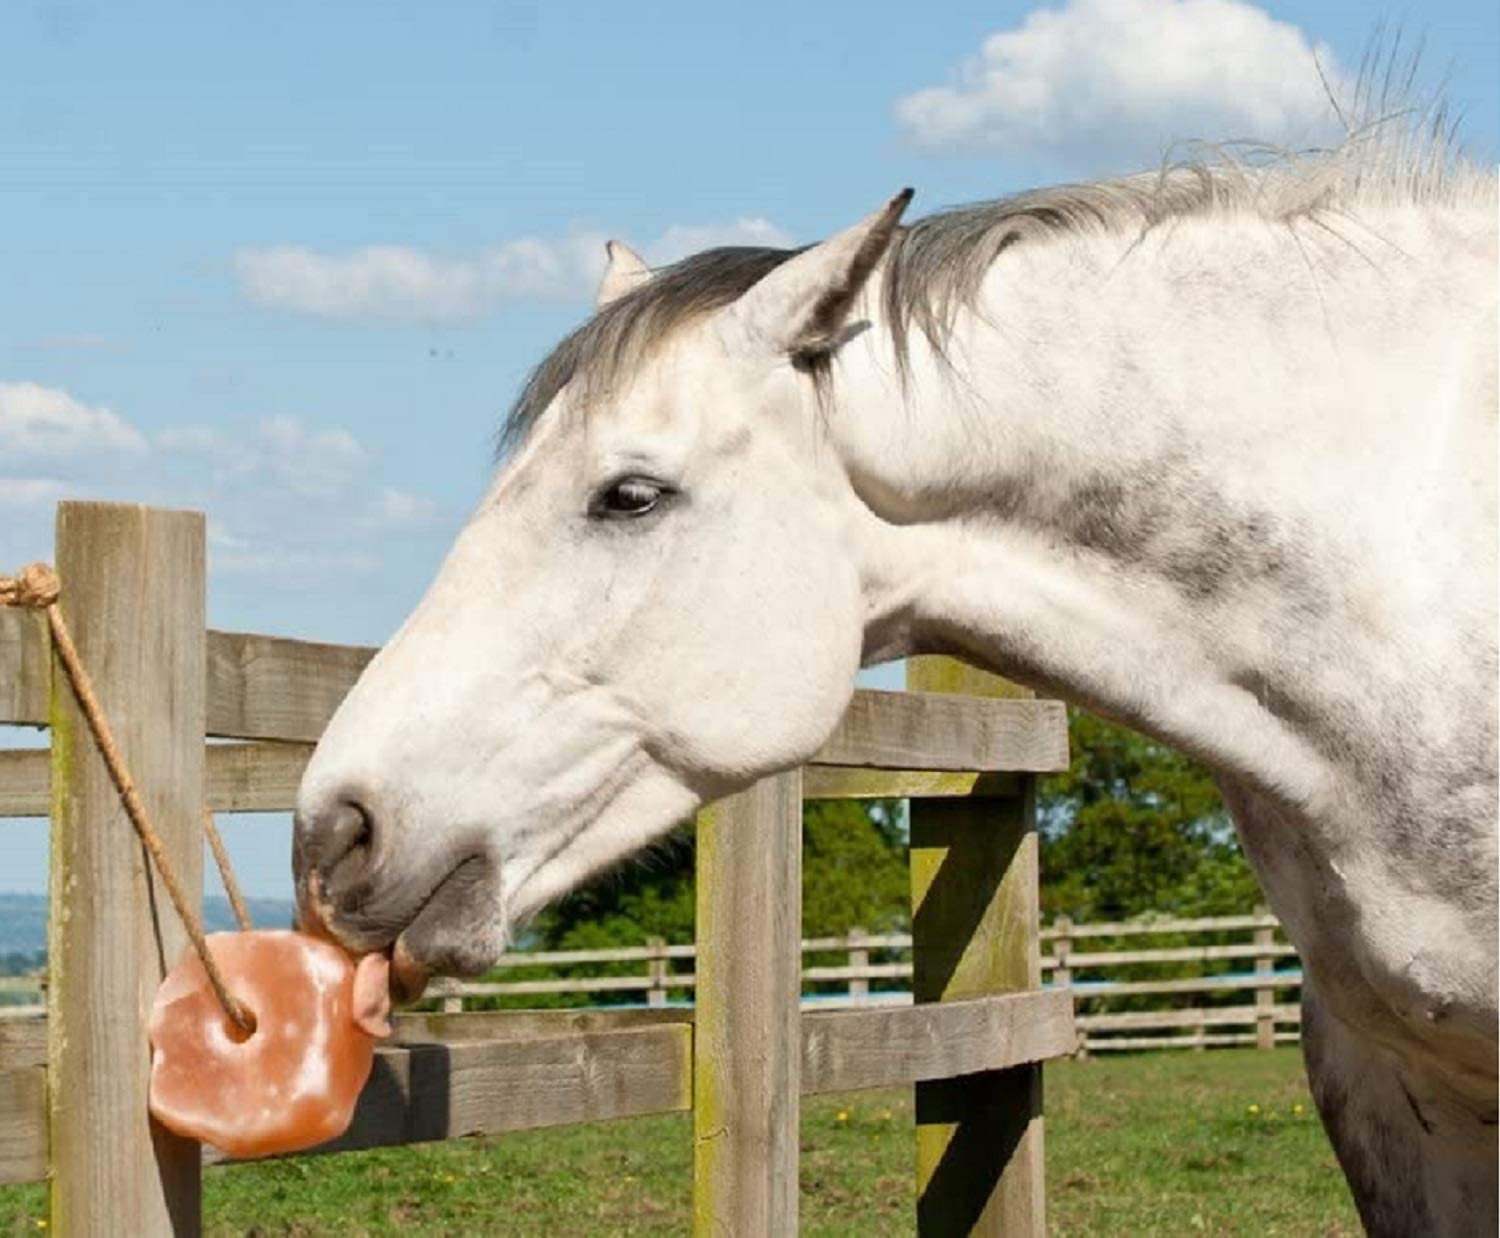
1103, 489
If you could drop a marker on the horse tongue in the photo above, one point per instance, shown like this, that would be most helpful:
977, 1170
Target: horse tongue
372, 995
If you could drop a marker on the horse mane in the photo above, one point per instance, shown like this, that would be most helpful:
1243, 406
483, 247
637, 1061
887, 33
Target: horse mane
934, 266
625, 332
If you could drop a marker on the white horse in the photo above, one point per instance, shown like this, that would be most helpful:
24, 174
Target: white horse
1210, 451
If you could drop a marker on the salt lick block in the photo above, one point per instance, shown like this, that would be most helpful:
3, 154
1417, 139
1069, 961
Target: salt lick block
293, 1082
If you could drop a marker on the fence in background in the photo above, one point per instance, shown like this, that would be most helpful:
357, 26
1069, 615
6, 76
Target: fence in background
662, 974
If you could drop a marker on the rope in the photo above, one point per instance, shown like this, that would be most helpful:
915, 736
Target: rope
226, 870
37, 588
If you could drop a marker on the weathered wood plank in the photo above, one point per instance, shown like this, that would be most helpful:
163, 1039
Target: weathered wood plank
260, 776
747, 1051
23, 1124
23, 1042
583, 984
25, 670
1184, 1042
255, 777
1213, 1016
423, 1092
870, 941
1176, 954
974, 916
1197, 984
263, 775
848, 1049
513, 1079
1265, 1029
932, 731
842, 782
1204, 924
270, 687
25, 781
134, 599
840, 1049
419, 1028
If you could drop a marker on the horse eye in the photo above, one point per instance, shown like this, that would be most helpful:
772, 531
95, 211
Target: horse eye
629, 496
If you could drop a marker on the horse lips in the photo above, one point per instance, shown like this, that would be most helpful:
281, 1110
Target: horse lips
294, 1081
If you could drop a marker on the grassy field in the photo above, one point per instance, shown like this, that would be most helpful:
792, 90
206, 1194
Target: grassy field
1224, 1142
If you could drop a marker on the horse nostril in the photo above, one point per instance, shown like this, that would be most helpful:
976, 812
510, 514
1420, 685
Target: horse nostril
351, 836
335, 842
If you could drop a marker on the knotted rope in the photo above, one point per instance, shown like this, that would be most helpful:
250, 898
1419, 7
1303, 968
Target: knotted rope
38, 588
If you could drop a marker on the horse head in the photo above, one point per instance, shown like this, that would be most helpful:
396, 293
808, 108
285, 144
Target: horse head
658, 600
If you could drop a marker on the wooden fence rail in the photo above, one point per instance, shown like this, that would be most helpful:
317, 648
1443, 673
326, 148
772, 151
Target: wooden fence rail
73, 1084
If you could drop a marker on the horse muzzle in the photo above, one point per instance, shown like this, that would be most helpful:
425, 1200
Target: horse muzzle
432, 915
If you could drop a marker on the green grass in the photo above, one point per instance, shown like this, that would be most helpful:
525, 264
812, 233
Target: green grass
1223, 1142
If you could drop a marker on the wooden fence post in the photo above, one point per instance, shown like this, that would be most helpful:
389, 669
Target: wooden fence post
859, 956
975, 930
1062, 974
133, 596
1265, 999
747, 1042
656, 969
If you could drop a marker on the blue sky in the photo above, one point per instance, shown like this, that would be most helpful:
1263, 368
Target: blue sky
287, 263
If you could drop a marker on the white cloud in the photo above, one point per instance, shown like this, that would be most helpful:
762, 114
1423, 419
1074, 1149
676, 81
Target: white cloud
396, 282
18, 492
283, 561
284, 496
308, 462
399, 509
289, 498
1117, 79
402, 283
46, 423
680, 240
281, 454
198, 440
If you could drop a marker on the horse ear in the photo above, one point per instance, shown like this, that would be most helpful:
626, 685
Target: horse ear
801, 306
626, 270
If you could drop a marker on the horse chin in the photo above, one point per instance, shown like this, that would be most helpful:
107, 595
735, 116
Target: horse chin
460, 930
408, 976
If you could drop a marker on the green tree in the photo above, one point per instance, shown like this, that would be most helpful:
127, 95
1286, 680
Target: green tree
1135, 827
854, 868
649, 895
853, 872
